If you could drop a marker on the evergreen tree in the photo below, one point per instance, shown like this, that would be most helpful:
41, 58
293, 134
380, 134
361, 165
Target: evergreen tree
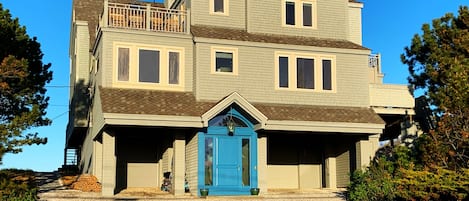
438, 62
23, 77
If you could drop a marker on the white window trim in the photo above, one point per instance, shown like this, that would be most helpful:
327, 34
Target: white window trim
134, 67
299, 14
225, 8
213, 51
292, 76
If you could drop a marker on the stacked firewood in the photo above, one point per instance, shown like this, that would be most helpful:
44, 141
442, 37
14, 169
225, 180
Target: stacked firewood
87, 183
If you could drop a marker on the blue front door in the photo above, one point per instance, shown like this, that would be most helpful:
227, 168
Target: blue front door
228, 160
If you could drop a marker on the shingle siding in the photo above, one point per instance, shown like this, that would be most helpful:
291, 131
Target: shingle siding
236, 14
192, 162
255, 79
266, 17
144, 38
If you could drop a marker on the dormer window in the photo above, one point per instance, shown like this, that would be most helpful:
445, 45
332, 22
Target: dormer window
219, 7
299, 13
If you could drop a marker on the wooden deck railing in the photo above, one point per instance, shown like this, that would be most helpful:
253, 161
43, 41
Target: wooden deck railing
143, 17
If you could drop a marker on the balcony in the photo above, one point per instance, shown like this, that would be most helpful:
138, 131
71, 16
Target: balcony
391, 99
147, 17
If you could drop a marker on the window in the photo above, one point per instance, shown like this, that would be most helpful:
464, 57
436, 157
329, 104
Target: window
123, 64
149, 66
173, 68
299, 13
224, 60
219, 7
290, 13
283, 71
326, 74
305, 72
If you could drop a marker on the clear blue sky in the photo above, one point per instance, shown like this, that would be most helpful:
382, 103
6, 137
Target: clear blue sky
388, 27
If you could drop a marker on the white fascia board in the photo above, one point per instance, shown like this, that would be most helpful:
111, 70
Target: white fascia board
239, 100
392, 110
152, 120
314, 126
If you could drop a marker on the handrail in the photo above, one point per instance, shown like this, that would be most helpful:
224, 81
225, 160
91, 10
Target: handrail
143, 17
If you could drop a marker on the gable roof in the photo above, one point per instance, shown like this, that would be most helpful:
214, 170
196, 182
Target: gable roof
204, 31
153, 102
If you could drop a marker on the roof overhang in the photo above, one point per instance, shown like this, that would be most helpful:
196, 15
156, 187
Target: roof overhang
316, 126
152, 120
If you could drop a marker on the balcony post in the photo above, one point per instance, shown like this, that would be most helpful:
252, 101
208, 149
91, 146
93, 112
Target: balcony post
187, 22
106, 14
148, 17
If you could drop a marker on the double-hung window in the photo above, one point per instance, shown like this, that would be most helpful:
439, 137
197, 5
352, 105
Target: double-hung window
299, 13
305, 72
157, 66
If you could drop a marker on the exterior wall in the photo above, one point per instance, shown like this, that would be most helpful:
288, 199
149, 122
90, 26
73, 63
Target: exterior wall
87, 149
142, 175
142, 38
391, 95
192, 162
256, 75
265, 16
167, 158
236, 18
79, 54
355, 22
343, 169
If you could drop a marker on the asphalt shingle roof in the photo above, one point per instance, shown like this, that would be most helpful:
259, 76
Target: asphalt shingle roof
153, 102
242, 35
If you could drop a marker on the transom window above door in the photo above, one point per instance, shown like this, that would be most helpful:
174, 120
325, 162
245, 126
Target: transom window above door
159, 66
299, 13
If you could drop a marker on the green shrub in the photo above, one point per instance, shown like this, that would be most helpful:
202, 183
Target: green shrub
439, 184
17, 185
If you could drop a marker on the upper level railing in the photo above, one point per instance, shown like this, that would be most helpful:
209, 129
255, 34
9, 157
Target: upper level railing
374, 61
143, 17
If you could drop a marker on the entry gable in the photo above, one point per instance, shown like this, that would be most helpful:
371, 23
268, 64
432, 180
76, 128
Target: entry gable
242, 103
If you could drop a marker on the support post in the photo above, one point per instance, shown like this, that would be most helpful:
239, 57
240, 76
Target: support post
179, 168
262, 164
109, 165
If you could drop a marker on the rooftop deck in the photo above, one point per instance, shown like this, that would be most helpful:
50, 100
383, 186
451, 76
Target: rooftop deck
148, 17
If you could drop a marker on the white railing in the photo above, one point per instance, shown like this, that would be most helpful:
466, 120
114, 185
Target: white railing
374, 61
144, 17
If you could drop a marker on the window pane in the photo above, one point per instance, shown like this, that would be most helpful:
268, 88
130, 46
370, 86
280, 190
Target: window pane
173, 67
283, 71
123, 64
305, 73
290, 13
307, 15
224, 62
326, 75
218, 6
245, 162
149, 66
208, 161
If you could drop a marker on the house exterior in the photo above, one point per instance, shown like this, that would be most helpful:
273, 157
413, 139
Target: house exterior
225, 95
